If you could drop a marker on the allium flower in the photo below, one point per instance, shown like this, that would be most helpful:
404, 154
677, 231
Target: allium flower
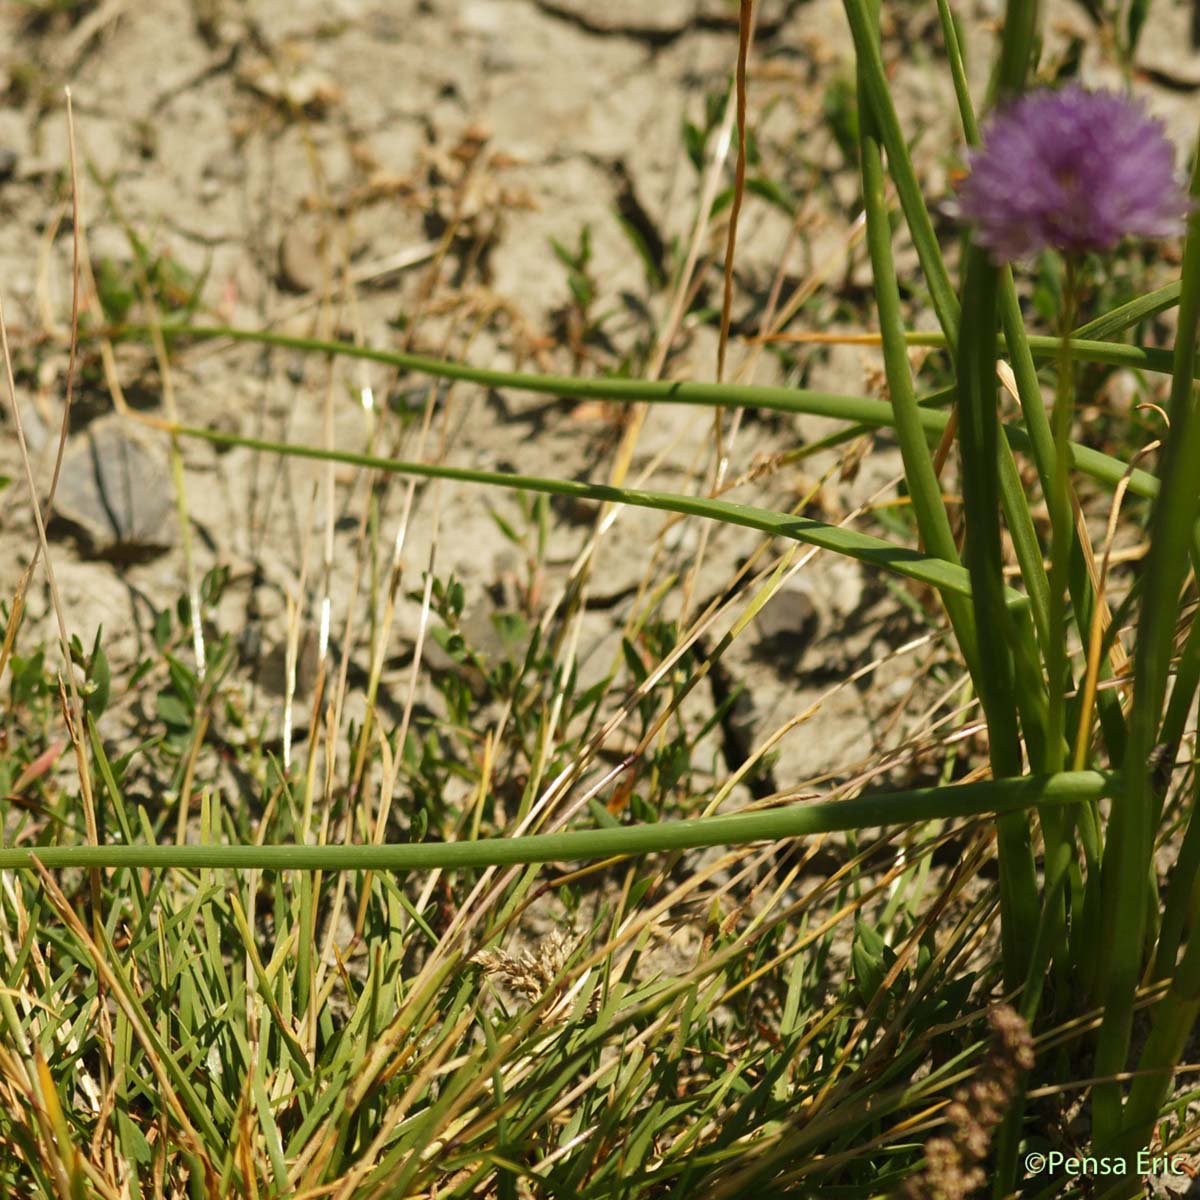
1072, 169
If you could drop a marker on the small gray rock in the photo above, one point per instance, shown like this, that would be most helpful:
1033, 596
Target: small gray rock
788, 622
300, 263
116, 491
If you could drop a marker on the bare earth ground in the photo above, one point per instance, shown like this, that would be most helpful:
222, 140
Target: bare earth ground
565, 114
268, 149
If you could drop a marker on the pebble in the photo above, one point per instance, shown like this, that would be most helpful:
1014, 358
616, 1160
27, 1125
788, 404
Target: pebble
787, 623
300, 266
116, 490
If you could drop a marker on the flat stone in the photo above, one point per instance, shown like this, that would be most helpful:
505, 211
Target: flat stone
300, 265
787, 623
116, 491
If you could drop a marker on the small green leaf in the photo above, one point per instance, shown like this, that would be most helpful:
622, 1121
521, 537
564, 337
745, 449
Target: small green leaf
694, 139
654, 276
115, 293
563, 255
867, 957
506, 528
841, 114
633, 660
773, 193
512, 629
452, 642
173, 711
581, 288
100, 678
591, 697
603, 818
1135, 21
162, 629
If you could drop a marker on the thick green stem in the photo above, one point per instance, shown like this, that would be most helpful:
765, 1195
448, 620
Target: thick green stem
979, 440
1130, 839
933, 524
1062, 527
1004, 796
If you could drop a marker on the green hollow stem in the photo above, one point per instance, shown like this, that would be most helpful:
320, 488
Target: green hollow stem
1016, 48
875, 413
997, 683
1131, 313
1062, 532
922, 481
1004, 796
1130, 841
1113, 354
1018, 40
924, 488
1116, 354
1172, 1022
874, 87
913, 564
1045, 449
1052, 455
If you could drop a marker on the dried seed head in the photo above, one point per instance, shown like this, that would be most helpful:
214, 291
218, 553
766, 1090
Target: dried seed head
953, 1167
531, 974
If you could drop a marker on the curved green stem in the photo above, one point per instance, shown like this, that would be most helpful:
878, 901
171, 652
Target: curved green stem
924, 568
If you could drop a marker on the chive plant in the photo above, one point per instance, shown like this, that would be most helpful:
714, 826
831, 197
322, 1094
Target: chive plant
1076, 171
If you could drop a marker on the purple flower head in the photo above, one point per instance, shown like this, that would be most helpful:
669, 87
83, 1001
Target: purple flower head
1072, 169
